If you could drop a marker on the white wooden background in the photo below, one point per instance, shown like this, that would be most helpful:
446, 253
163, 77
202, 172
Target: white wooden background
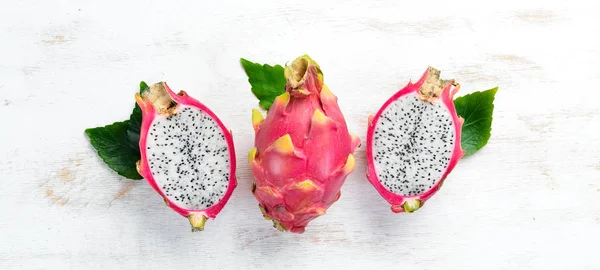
529, 200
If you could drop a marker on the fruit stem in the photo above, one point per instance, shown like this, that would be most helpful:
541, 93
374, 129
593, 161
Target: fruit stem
433, 86
297, 72
158, 95
412, 205
197, 221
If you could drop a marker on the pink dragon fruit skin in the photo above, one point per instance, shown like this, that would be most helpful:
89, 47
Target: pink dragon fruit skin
158, 102
303, 150
429, 92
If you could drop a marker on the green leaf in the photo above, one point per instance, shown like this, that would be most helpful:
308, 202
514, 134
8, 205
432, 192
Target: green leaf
476, 108
135, 119
116, 149
267, 81
143, 86
118, 144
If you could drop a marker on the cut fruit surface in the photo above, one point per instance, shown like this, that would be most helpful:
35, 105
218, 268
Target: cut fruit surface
413, 142
187, 154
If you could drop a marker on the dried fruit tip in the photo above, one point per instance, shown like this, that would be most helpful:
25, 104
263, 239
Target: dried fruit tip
158, 96
412, 205
197, 221
408, 206
433, 86
296, 72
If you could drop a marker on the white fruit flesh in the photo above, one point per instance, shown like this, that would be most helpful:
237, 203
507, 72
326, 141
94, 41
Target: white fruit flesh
189, 158
412, 145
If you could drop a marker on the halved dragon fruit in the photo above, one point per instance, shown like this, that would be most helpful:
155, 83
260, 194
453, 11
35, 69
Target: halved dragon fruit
303, 150
413, 142
187, 154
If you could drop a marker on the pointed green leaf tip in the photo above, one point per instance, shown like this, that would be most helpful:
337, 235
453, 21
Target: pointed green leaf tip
118, 144
135, 119
143, 86
476, 108
267, 81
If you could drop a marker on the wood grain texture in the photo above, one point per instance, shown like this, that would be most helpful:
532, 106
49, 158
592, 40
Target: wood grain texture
529, 200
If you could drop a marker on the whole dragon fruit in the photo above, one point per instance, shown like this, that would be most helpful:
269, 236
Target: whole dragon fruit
303, 150
187, 154
413, 142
